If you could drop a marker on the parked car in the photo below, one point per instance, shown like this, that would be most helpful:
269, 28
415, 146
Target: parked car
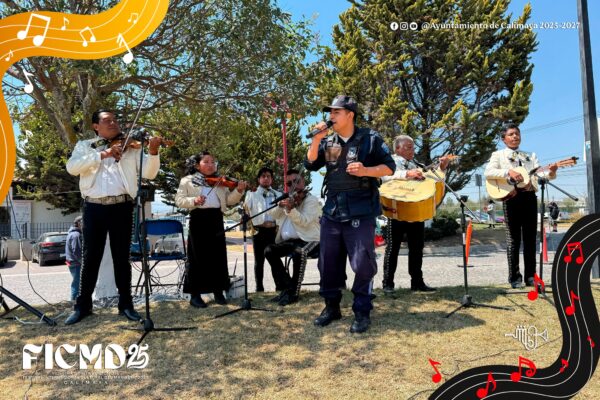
476, 217
49, 247
3, 251
169, 244
228, 223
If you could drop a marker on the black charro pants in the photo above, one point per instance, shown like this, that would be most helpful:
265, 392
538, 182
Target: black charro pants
263, 238
415, 237
520, 220
98, 220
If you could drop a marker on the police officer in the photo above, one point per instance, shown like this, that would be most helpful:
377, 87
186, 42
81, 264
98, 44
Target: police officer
354, 158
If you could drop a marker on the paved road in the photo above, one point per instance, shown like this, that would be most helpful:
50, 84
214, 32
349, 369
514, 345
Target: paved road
440, 268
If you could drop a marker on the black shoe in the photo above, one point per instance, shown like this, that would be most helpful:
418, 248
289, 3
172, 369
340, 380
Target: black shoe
260, 288
330, 313
196, 301
131, 314
278, 297
361, 322
287, 298
516, 284
422, 287
388, 290
219, 298
76, 316
530, 282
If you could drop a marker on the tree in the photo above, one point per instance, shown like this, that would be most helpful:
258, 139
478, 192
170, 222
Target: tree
449, 88
214, 57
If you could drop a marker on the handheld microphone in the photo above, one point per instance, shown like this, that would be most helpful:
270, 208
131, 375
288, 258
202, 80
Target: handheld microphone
317, 131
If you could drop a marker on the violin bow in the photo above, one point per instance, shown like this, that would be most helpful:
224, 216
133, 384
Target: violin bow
137, 116
219, 180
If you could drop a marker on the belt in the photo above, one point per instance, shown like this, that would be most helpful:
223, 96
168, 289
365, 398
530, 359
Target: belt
122, 198
266, 224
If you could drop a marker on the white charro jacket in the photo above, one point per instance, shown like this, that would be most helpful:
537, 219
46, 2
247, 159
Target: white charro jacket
85, 162
188, 191
305, 219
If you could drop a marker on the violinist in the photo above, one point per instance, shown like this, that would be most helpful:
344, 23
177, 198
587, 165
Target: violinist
108, 184
298, 221
263, 224
207, 197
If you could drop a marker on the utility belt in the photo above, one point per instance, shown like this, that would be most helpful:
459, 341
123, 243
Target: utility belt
107, 200
360, 183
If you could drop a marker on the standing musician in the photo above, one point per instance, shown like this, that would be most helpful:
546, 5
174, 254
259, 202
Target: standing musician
406, 169
108, 183
298, 221
263, 224
520, 212
207, 196
354, 158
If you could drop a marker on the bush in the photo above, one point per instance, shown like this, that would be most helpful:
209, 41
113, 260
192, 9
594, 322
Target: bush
444, 224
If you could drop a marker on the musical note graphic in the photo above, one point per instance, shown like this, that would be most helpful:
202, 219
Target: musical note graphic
533, 295
38, 39
482, 392
65, 23
516, 376
571, 247
127, 58
570, 310
92, 37
29, 87
133, 19
9, 56
437, 377
589, 338
565, 365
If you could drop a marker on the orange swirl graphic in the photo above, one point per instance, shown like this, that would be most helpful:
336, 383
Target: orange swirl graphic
85, 37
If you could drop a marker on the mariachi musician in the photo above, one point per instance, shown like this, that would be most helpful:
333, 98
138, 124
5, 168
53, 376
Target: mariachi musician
108, 169
406, 169
520, 212
207, 196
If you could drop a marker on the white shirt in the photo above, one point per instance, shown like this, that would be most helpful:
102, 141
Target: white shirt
108, 180
288, 231
259, 201
212, 200
504, 160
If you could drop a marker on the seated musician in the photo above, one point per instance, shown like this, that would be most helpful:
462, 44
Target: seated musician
520, 212
298, 221
406, 169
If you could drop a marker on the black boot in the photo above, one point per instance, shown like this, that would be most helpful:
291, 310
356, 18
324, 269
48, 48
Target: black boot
258, 276
361, 322
331, 312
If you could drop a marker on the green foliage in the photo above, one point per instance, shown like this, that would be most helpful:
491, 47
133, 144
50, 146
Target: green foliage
444, 224
213, 67
449, 88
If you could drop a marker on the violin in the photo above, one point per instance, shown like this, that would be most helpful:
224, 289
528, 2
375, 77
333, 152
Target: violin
216, 180
137, 144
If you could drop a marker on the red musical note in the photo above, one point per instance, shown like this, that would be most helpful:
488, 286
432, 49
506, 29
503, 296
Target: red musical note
571, 247
516, 376
533, 295
482, 392
589, 338
437, 377
570, 310
565, 364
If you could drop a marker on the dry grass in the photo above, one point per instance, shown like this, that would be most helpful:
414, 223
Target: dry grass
260, 355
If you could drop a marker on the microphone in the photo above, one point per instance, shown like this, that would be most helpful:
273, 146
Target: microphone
420, 165
282, 197
317, 131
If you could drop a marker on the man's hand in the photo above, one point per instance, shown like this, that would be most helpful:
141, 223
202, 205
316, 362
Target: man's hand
515, 176
356, 169
115, 151
200, 200
288, 204
154, 144
242, 185
415, 175
444, 161
324, 130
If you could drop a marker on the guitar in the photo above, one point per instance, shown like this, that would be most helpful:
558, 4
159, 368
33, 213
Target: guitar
502, 189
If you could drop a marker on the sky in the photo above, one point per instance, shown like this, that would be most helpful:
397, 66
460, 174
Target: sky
554, 128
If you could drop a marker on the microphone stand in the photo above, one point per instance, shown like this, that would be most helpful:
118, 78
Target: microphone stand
141, 236
467, 299
246, 304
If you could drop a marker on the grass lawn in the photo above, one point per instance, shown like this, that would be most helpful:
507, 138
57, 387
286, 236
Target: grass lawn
263, 355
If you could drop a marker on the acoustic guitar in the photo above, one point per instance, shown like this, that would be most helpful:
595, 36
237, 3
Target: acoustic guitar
502, 189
